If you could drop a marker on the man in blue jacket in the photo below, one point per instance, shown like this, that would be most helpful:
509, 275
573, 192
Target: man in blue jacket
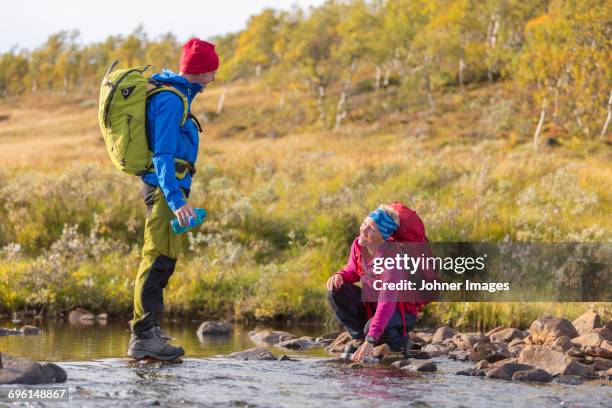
166, 190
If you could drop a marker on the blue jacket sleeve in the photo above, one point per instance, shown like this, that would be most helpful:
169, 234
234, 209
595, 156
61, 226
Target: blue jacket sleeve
167, 115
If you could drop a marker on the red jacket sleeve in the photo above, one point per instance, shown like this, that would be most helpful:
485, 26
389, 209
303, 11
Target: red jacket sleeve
349, 272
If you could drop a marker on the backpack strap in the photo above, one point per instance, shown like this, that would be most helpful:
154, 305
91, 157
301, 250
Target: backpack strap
196, 121
163, 88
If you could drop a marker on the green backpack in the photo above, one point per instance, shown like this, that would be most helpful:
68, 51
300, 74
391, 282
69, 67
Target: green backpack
122, 117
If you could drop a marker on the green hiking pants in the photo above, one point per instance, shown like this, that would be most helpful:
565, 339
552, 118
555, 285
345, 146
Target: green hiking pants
159, 252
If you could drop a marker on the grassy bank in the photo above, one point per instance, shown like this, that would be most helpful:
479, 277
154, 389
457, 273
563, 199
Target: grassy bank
283, 211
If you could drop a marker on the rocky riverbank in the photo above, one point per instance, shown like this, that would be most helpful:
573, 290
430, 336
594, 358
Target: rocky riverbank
553, 348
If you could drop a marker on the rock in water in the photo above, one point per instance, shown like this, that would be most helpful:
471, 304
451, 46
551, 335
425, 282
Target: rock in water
419, 366
30, 330
506, 371
19, 370
506, 335
489, 351
465, 341
546, 329
270, 337
471, 372
256, 353
533, 375
590, 339
588, 322
214, 328
554, 362
296, 344
442, 334
381, 351
338, 345
151, 360
562, 344
421, 337
569, 380
81, 316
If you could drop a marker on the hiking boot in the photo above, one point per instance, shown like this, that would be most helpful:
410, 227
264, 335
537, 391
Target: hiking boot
407, 350
149, 344
161, 334
353, 346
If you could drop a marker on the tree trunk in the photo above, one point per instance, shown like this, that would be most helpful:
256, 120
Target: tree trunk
257, 71
427, 83
221, 101
378, 75
320, 101
387, 75
608, 118
340, 111
536, 135
492, 43
461, 71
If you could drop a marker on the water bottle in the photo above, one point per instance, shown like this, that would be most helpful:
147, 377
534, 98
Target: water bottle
193, 222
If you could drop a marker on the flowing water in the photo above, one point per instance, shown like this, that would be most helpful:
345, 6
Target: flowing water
99, 375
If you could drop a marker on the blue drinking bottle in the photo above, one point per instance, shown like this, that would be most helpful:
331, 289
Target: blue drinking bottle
176, 227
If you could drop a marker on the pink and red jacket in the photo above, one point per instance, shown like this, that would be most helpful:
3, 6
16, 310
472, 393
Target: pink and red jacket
411, 229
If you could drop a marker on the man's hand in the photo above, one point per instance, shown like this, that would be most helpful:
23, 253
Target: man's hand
366, 350
183, 214
334, 282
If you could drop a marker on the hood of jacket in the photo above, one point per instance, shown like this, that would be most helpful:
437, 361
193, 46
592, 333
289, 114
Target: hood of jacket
189, 89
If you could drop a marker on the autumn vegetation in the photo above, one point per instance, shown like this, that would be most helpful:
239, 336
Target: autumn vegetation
489, 118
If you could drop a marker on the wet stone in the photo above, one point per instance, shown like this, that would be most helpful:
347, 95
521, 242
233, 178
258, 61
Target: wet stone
256, 353
471, 372
533, 375
214, 328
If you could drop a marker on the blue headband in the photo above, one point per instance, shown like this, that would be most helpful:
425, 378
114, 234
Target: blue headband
384, 222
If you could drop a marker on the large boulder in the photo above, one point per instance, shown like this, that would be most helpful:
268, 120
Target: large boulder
19, 370
533, 375
546, 329
606, 332
586, 323
214, 328
257, 353
506, 371
506, 335
562, 344
465, 341
270, 337
554, 362
443, 333
590, 339
489, 351
338, 345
